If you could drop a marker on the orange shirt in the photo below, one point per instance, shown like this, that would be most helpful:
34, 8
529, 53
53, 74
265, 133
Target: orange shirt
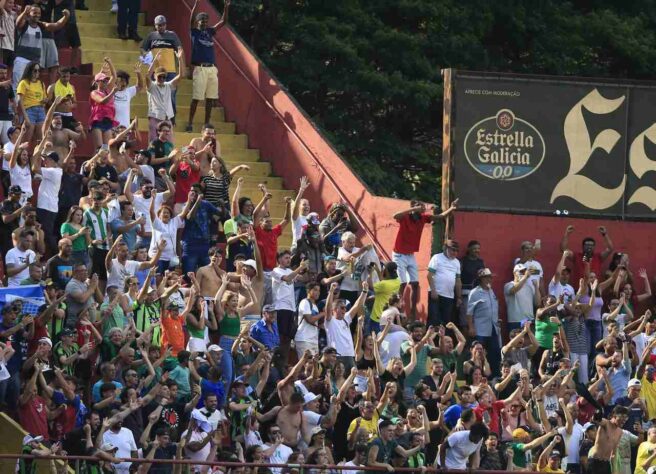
173, 333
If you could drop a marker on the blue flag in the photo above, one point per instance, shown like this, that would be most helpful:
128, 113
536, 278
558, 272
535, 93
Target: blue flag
32, 297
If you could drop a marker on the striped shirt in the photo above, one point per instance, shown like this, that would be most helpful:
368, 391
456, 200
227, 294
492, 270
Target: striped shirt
577, 337
98, 225
217, 189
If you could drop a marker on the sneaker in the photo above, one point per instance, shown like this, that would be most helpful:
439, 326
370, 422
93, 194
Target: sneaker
189, 128
114, 8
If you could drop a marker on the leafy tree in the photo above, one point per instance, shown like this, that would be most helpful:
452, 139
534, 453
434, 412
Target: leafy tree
368, 71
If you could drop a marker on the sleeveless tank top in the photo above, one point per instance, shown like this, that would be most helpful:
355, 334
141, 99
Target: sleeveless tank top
230, 326
102, 111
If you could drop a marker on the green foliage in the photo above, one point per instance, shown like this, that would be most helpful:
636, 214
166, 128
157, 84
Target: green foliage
368, 71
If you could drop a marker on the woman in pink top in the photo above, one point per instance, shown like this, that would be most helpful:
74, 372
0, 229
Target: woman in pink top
103, 112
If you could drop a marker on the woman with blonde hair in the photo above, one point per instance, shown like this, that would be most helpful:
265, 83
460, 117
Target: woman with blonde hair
229, 312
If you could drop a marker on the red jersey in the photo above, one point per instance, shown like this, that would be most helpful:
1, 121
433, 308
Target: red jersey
490, 415
579, 268
39, 331
409, 235
184, 178
33, 418
267, 244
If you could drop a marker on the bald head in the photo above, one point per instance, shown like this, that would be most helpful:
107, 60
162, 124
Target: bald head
65, 247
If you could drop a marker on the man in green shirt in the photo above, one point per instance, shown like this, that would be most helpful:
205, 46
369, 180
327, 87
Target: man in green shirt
36, 275
422, 340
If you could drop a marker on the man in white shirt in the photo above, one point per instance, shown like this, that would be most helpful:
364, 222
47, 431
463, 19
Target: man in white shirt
275, 450
160, 94
559, 284
461, 447
445, 286
337, 325
125, 93
47, 205
284, 299
120, 268
522, 297
123, 439
19, 258
141, 202
300, 212
307, 334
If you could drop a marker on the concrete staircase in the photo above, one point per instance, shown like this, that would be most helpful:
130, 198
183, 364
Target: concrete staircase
97, 28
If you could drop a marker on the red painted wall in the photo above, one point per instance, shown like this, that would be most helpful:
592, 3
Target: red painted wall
287, 138
501, 235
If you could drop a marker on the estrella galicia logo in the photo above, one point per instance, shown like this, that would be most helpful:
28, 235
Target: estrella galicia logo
504, 147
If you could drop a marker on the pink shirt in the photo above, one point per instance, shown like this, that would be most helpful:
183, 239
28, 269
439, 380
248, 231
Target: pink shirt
102, 111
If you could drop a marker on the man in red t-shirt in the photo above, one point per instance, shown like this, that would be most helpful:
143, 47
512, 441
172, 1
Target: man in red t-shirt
587, 251
490, 412
411, 225
267, 243
32, 409
186, 169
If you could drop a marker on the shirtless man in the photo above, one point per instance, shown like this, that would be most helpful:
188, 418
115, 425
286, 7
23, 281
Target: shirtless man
204, 156
118, 155
61, 137
608, 437
290, 417
209, 277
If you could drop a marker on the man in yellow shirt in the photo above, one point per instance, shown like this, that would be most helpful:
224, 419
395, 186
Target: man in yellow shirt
549, 460
389, 284
368, 420
646, 452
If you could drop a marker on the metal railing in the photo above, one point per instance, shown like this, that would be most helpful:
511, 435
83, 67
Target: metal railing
75, 462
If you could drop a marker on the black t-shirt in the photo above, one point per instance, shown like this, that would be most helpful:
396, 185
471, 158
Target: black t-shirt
6, 94
60, 271
9, 207
323, 289
469, 271
107, 171
70, 191
163, 452
173, 417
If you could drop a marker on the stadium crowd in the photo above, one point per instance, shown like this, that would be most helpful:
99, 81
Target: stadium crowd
176, 327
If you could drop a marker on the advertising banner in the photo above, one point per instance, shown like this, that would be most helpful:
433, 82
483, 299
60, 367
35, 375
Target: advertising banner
556, 146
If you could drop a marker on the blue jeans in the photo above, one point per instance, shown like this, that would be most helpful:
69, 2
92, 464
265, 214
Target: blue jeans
227, 369
594, 331
194, 255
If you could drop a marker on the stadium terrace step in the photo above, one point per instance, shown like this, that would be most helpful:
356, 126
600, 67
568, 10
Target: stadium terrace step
97, 28
182, 112
102, 16
113, 43
101, 30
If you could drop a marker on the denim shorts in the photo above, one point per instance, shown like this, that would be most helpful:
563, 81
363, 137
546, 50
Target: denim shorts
36, 114
104, 125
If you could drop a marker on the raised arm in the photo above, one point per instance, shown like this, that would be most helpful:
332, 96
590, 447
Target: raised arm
297, 202
224, 18
180, 54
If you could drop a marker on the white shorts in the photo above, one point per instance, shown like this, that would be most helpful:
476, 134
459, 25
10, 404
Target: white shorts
205, 83
196, 344
302, 346
407, 267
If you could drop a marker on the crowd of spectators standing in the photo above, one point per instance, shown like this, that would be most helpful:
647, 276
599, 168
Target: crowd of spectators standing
177, 326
